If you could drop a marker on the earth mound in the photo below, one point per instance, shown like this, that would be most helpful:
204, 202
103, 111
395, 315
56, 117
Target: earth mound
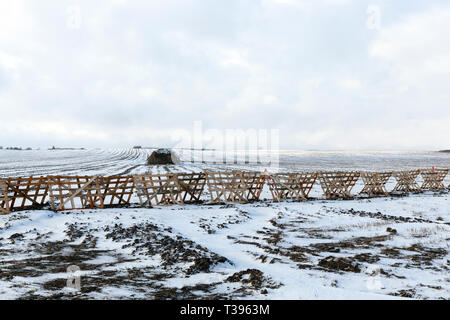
162, 156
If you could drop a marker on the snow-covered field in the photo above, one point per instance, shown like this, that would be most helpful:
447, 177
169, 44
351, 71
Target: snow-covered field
132, 161
373, 248
70, 162
379, 248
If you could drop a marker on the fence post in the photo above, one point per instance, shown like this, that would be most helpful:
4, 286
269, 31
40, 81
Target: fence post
4, 201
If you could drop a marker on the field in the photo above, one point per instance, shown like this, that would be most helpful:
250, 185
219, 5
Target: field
132, 161
377, 248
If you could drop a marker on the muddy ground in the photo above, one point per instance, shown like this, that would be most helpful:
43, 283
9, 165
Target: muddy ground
223, 252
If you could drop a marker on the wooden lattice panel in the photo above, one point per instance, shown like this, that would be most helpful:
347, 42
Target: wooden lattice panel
115, 191
171, 188
24, 193
406, 181
158, 189
291, 186
375, 183
338, 184
192, 186
433, 179
74, 192
255, 184
234, 186
4, 202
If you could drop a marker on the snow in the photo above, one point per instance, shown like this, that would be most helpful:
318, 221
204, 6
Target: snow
242, 234
377, 248
132, 161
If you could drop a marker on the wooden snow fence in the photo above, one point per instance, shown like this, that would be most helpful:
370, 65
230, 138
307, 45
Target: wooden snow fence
234, 186
116, 190
170, 188
406, 181
86, 192
375, 183
74, 192
291, 186
433, 179
22, 193
338, 184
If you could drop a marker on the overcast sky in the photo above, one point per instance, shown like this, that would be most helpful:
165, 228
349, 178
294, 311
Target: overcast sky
329, 74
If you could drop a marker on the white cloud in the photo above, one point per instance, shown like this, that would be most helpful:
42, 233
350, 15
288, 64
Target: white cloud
307, 4
416, 49
349, 82
133, 72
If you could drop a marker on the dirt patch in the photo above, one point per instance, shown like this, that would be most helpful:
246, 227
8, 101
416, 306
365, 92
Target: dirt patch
107, 269
424, 256
253, 279
252, 276
205, 264
175, 251
390, 252
366, 257
339, 264
379, 215
408, 293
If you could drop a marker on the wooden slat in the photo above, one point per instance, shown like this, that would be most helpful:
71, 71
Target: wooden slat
234, 186
161, 189
375, 183
255, 183
406, 181
170, 188
192, 185
116, 190
433, 179
74, 192
291, 186
338, 184
24, 193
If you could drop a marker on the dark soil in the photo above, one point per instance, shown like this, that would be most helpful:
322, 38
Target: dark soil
180, 257
339, 264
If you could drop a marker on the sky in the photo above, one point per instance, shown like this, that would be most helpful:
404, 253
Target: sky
327, 74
